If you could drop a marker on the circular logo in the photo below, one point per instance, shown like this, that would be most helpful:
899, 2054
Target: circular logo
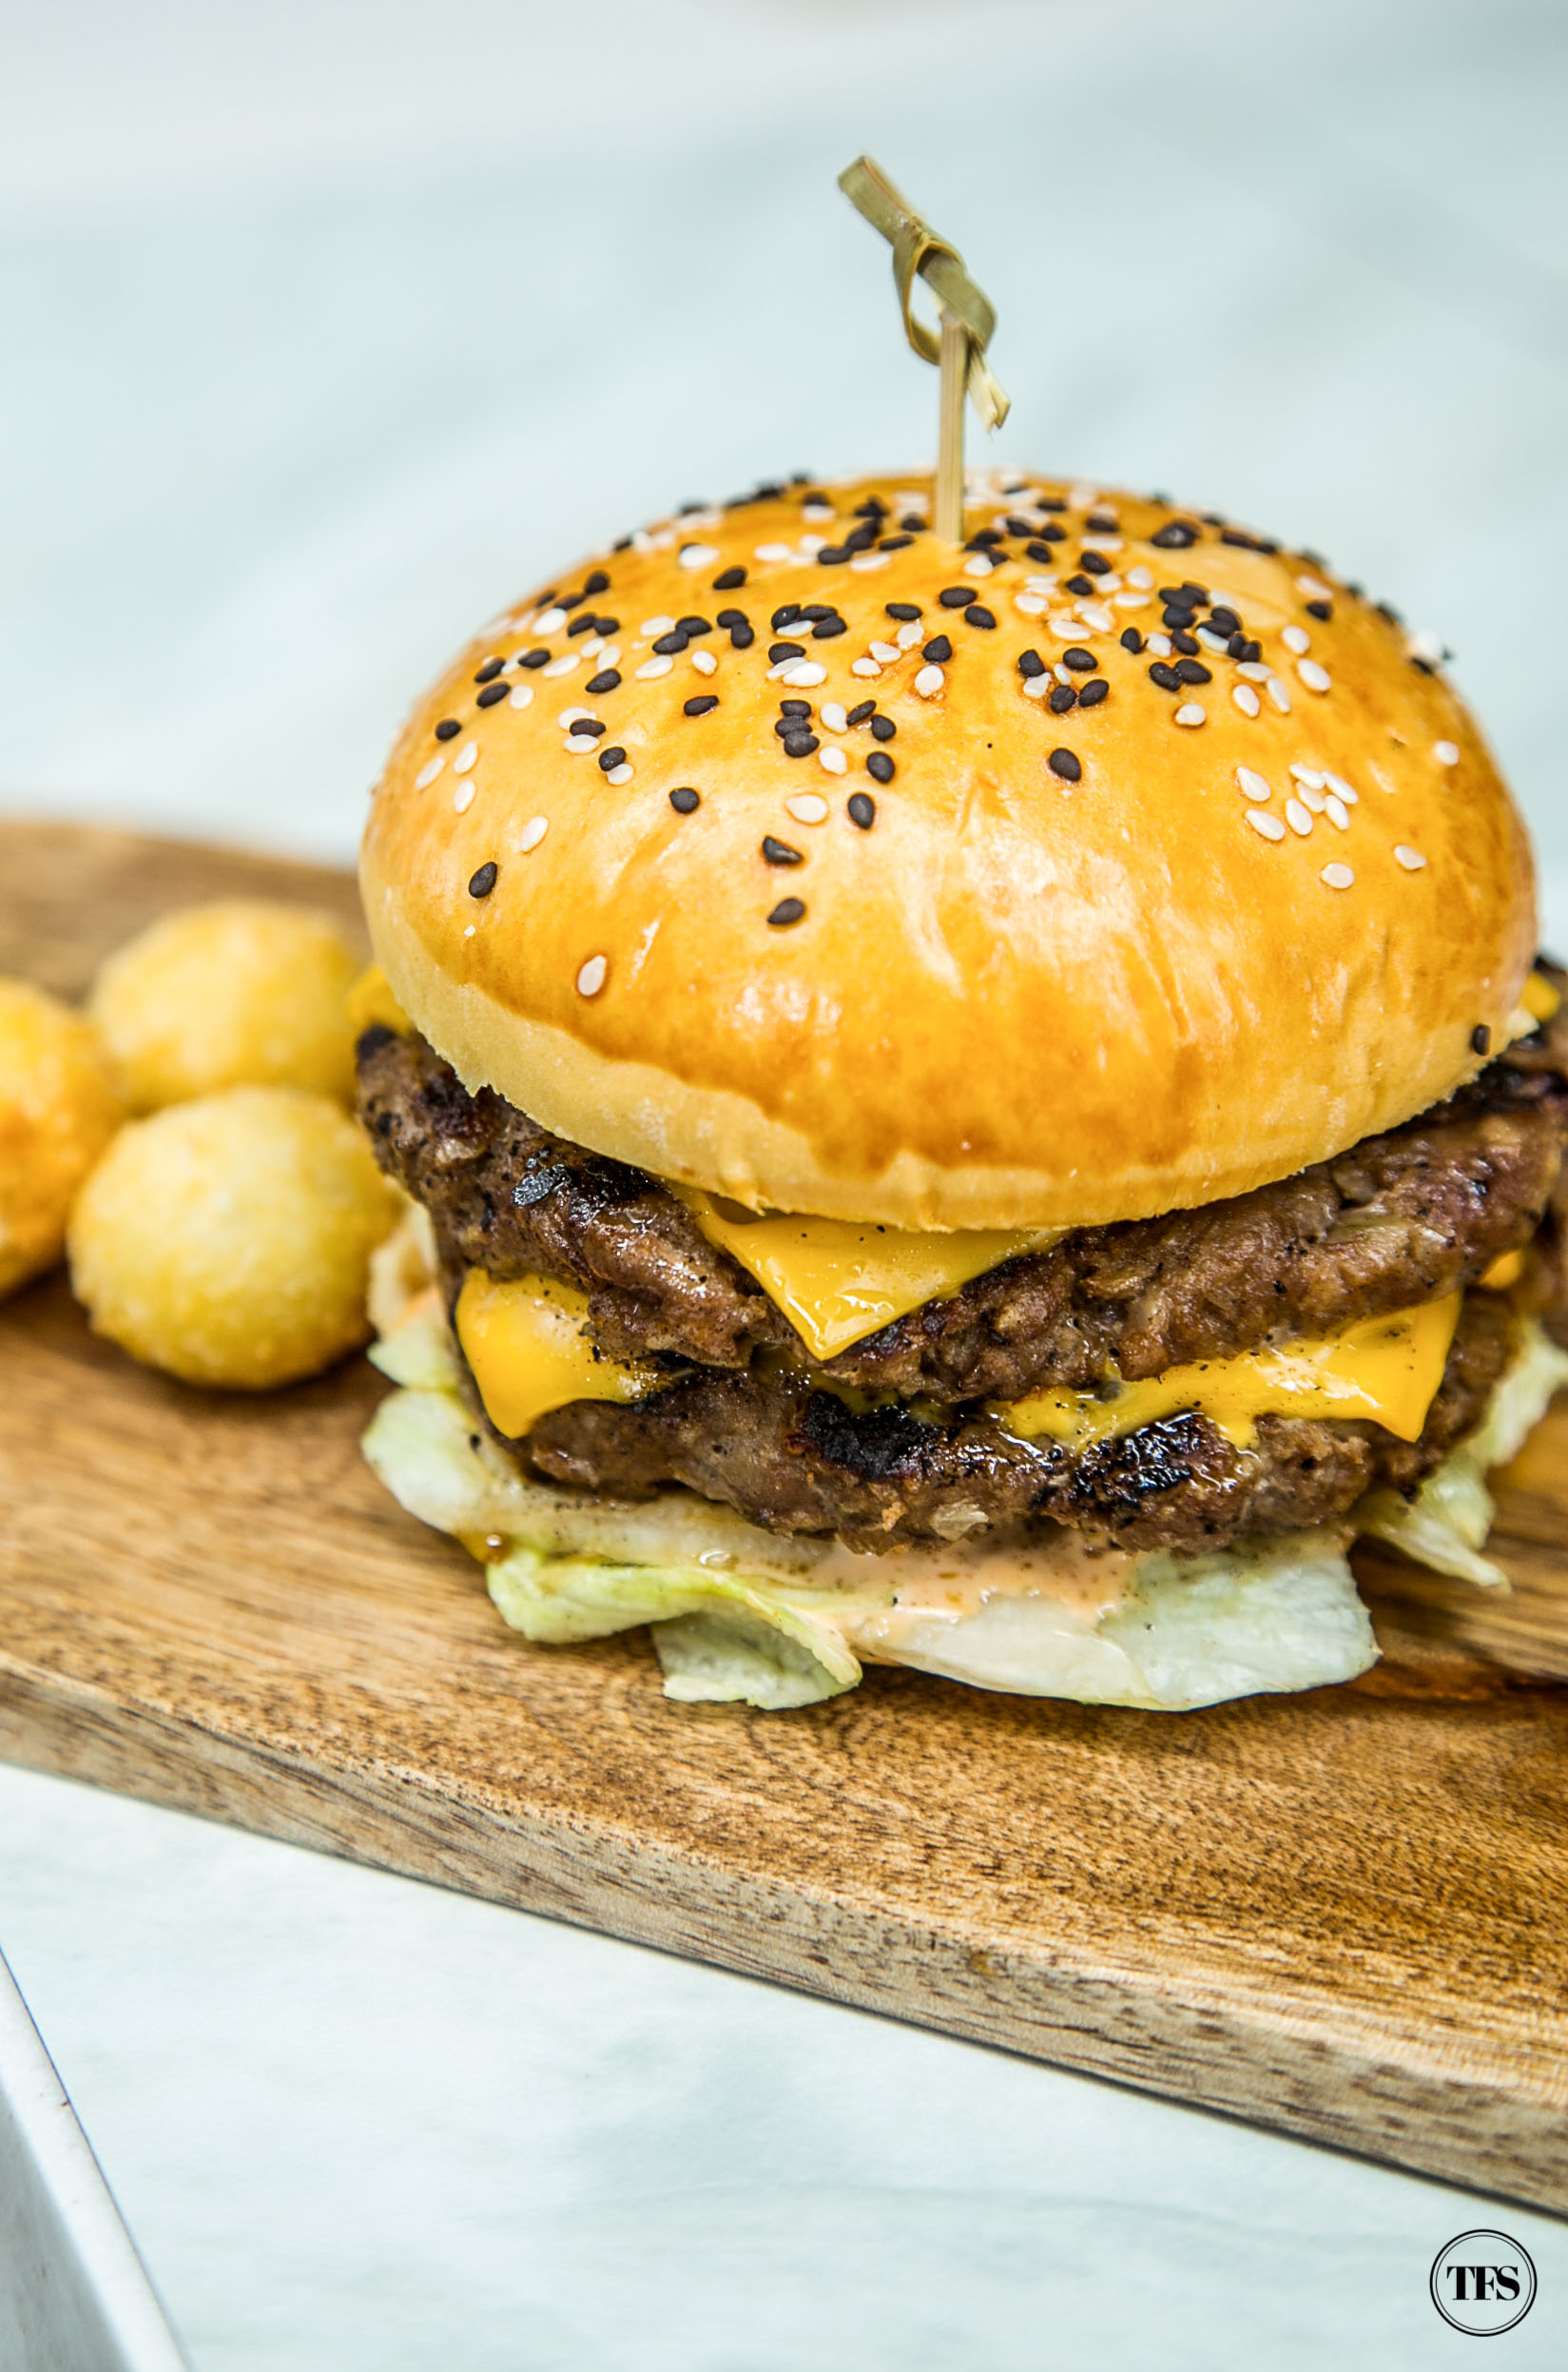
1483, 2283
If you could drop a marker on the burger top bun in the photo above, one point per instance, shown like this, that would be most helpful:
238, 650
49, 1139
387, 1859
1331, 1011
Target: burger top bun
1241, 887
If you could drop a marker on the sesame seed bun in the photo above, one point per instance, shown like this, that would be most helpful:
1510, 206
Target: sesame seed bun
1008, 965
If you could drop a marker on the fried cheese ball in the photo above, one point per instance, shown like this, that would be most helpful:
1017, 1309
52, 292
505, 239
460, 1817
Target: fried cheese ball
239, 993
227, 1240
58, 1110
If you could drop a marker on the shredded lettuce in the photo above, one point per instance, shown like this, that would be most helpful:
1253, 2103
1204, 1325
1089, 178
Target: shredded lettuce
1446, 1525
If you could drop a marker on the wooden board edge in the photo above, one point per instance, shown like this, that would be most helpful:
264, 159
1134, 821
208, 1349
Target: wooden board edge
1500, 2139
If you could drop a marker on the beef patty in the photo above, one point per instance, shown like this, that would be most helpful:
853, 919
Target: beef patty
1399, 1219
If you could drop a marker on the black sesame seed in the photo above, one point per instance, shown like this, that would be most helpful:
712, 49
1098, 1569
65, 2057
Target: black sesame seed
1029, 663
1176, 536
902, 610
1100, 523
872, 508
982, 537
1015, 526
978, 614
1224, 621
598, 583
914, 522
1061, 698
894, 543
1185, 642
610, 759
1062, 762
534, 658
741, 638
776, 651
788, 910
733, 618
1480, 1039
882, 728
670, 645
1165, 676
607, 625
491, 669
491, 693
826, 628
1386, 609
583, 625
693, 625
1320, 608
785, 615
833, 555
794, 708
588, 725
448, 729
606, 680
861, 710
1132, 639
702, 704
1081, 585
1048, 502
1193, 672
727, 581
879, 766
1095, 562
799, 745
956, 597
1090, 695
483, 881
1081, 662
938, 650
863, 809
780, 852
685, 801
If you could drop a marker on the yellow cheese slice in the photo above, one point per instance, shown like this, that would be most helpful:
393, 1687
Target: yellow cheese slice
1386, 1368
1540, 999
837, 1281
370, 999
1504, 1270
528, 1350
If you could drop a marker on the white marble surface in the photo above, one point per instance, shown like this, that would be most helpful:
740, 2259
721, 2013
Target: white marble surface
328, 326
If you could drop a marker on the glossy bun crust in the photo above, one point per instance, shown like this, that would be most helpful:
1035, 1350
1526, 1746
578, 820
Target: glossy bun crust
1069, 966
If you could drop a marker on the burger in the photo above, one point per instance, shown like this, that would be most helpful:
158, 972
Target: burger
983, 1108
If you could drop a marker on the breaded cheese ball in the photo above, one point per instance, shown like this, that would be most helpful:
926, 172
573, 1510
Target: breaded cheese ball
227, 1240
58, 1110
239, 993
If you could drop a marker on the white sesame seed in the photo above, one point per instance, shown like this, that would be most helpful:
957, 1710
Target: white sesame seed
1042, 584
1447, 752
1211, 641
803, 672
523, 622
1095, 617
1250, 784
1160, 646
1316, 678
811, 545
1314, 589
1280, 695
1427, 646
885, 652
833, 759
1191, 713
1141, 576
1254, 671
567, 717
619, 774
549, 621
1338, 783
1063, 674
834, 716
1296, 638
909, 633
1035, 687
580, 744
1309, 775
1411, 859
1336, 811
591, 646
977, 565
1132, 600
698, 556
1246, 699
770, 551
705, 663
462, 798
1297, 817
1069, 626
467, 758
863, 562
531, 833
520, 696
864, 667
930, 679
660, 664
660, 625
817, 513
566, 664
1032, 604
807, 807
1336, 876
471, 928
1102, 543
592, 976
1311, 798
1269, 825
427, 773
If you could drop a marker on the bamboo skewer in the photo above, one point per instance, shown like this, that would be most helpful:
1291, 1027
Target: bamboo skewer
967, 320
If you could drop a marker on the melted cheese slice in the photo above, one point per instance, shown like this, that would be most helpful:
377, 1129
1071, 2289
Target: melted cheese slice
837, 1281
370, 999
1386, 1368
528, 1350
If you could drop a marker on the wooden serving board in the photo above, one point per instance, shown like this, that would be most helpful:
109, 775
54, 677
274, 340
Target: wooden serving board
1342, 1913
